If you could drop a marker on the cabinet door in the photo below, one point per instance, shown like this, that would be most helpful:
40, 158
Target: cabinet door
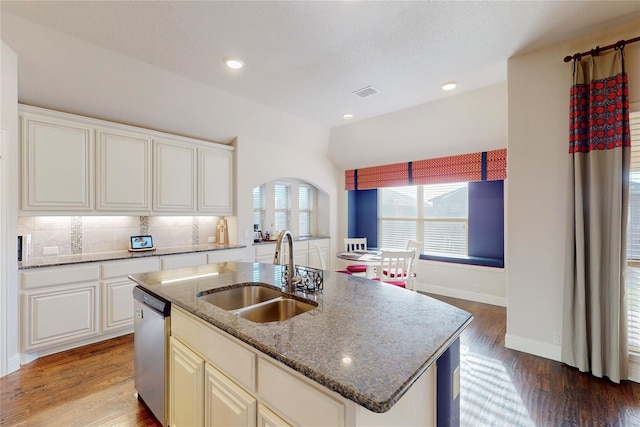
59, 315
123, 177
57, 164
225, 403
117, 304
174, 176
215, 181
186, 398
266, 418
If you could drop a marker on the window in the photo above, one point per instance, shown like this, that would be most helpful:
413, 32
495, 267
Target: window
258, 206
282, 206
437, 213
633, 239
305, 209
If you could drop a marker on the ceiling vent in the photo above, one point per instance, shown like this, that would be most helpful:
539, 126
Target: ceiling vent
366, 91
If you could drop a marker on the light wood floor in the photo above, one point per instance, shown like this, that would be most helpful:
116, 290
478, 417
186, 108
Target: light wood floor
93, 386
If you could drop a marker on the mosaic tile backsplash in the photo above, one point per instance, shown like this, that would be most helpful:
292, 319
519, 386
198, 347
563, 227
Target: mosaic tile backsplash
92, 234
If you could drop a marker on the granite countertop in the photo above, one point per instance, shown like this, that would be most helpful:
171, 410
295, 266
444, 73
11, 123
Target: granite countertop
51, 261
366, 340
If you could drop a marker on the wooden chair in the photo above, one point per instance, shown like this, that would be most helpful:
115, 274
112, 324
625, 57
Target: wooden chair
396, 267
356, 244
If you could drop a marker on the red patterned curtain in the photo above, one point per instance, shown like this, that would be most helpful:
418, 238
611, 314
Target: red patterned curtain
484, 166
595, 318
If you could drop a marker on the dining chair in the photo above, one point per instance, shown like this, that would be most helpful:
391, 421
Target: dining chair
417, 248
356, 244
396, 267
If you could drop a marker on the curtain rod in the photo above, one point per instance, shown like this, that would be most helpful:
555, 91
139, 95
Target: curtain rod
598, 49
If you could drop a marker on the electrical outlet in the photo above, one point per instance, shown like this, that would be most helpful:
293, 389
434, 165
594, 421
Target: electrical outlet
211, 240
50, 250
476, 287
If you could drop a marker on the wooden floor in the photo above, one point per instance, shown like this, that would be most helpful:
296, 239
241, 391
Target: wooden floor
93, 386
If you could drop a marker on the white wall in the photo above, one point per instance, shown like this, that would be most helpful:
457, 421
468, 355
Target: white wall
469, 122
9, 356
538, 171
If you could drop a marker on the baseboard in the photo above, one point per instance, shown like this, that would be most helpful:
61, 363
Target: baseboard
537, 348
13, 364
462, 294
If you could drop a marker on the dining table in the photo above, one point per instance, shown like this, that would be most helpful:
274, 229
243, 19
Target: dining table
370, 258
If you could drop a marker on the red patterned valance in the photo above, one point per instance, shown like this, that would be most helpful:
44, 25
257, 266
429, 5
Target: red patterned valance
484, 166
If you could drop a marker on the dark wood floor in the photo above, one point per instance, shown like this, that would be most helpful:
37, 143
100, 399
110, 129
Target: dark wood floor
93, 386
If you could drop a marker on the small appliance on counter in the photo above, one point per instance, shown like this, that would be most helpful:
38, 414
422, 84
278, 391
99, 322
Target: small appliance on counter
141, 243
257, 234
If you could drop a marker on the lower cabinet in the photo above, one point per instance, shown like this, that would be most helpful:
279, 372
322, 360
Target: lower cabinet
266, 418
226, 404
304, 253
53, 317
186, 379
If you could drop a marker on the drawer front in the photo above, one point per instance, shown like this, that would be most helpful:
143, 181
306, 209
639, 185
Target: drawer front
124, 268
224, 256
52, 276
184, 260
235, 361
290, 395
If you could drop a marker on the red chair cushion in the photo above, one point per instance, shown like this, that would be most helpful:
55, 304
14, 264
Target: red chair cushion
357, 268
343, 271
393, 282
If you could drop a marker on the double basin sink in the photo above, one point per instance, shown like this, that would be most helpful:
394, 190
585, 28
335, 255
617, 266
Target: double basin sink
257, 302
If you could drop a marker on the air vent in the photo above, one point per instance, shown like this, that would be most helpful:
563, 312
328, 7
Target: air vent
366, 91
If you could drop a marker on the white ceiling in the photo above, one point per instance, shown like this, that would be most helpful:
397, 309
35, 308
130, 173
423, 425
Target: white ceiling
306, 58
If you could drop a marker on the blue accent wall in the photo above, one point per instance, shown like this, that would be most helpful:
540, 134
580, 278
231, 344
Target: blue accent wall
363, 215
486, 219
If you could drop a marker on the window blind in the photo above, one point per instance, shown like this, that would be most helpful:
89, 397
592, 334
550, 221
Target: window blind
633, 238
398, 213
305, 209
446, 208
258, 206
282, 206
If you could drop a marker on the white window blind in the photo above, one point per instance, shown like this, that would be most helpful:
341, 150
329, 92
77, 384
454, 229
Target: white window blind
633, 239
282, 206
305, 209
258, 206
398, 216
445, 215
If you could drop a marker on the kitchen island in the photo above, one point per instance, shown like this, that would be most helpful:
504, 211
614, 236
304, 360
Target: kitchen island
368, 350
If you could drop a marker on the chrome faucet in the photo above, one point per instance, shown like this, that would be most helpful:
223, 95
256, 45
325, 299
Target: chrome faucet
291, 287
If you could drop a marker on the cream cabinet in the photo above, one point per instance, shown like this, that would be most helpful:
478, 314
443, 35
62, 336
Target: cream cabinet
57, 164
186, 379
123, 171
304, 252
215, 181
226, 404
59, 315
266, 418
174, 176
73, 164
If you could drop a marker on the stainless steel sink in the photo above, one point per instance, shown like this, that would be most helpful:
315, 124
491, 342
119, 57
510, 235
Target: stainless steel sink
240, 296
275, 311
257, 302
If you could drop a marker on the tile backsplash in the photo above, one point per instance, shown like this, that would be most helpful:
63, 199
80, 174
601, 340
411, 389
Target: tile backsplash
93, 234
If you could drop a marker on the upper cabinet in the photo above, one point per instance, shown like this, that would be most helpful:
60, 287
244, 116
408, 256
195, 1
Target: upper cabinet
123, 163
79, 165
57, 168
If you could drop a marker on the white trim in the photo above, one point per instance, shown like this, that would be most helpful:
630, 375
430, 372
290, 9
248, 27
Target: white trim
537, 348
462, 294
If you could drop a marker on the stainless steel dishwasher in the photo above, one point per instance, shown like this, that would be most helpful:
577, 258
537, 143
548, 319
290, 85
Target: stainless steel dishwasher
150, 343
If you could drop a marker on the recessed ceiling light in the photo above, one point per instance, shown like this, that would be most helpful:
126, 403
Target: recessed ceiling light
449, 86
347, 116
233, 63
